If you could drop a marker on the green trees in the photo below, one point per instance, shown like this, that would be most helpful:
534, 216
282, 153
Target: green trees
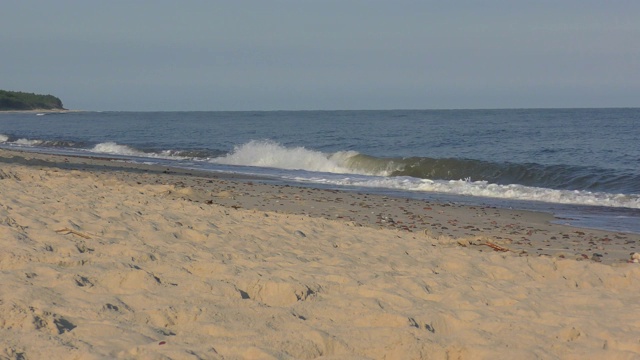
16, 100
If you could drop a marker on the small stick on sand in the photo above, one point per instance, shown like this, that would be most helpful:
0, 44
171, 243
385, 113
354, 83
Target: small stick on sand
496, 247
71, 231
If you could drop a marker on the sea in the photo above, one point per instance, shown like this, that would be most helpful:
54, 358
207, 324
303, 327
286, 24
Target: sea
582, 165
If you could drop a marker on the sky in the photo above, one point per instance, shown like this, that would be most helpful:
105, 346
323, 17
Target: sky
163, 55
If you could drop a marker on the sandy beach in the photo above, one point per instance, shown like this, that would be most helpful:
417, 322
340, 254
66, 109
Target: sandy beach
103, 259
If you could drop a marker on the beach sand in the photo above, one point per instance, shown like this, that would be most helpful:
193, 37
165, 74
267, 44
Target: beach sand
102, 259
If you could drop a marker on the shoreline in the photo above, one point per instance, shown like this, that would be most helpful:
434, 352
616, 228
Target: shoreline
103, 259
38, 111
520, 231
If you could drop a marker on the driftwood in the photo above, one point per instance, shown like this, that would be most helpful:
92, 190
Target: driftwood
67, 231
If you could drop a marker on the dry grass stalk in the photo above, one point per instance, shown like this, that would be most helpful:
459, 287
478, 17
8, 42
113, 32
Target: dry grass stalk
71, 231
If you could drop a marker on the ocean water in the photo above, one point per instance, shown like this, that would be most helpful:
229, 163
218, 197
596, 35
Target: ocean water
581, 164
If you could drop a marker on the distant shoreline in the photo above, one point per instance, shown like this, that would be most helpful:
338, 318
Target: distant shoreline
38, 111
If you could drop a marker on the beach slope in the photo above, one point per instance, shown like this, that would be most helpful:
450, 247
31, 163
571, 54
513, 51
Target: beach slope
133, 264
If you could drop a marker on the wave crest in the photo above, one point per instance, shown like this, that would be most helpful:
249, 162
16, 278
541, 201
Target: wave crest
116, 149
267, 153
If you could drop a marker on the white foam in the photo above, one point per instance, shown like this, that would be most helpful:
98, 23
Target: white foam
3, 138
27, 142
116, 149
271, 154
484, 189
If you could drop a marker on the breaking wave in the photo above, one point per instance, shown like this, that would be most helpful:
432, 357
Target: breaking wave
565, 177
271, 154
5, 139
560, 177
116, 149
519, 181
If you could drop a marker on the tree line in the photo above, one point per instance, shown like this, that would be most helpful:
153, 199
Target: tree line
17, 100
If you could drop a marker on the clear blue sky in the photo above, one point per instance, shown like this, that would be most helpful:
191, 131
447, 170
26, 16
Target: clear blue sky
305, 55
